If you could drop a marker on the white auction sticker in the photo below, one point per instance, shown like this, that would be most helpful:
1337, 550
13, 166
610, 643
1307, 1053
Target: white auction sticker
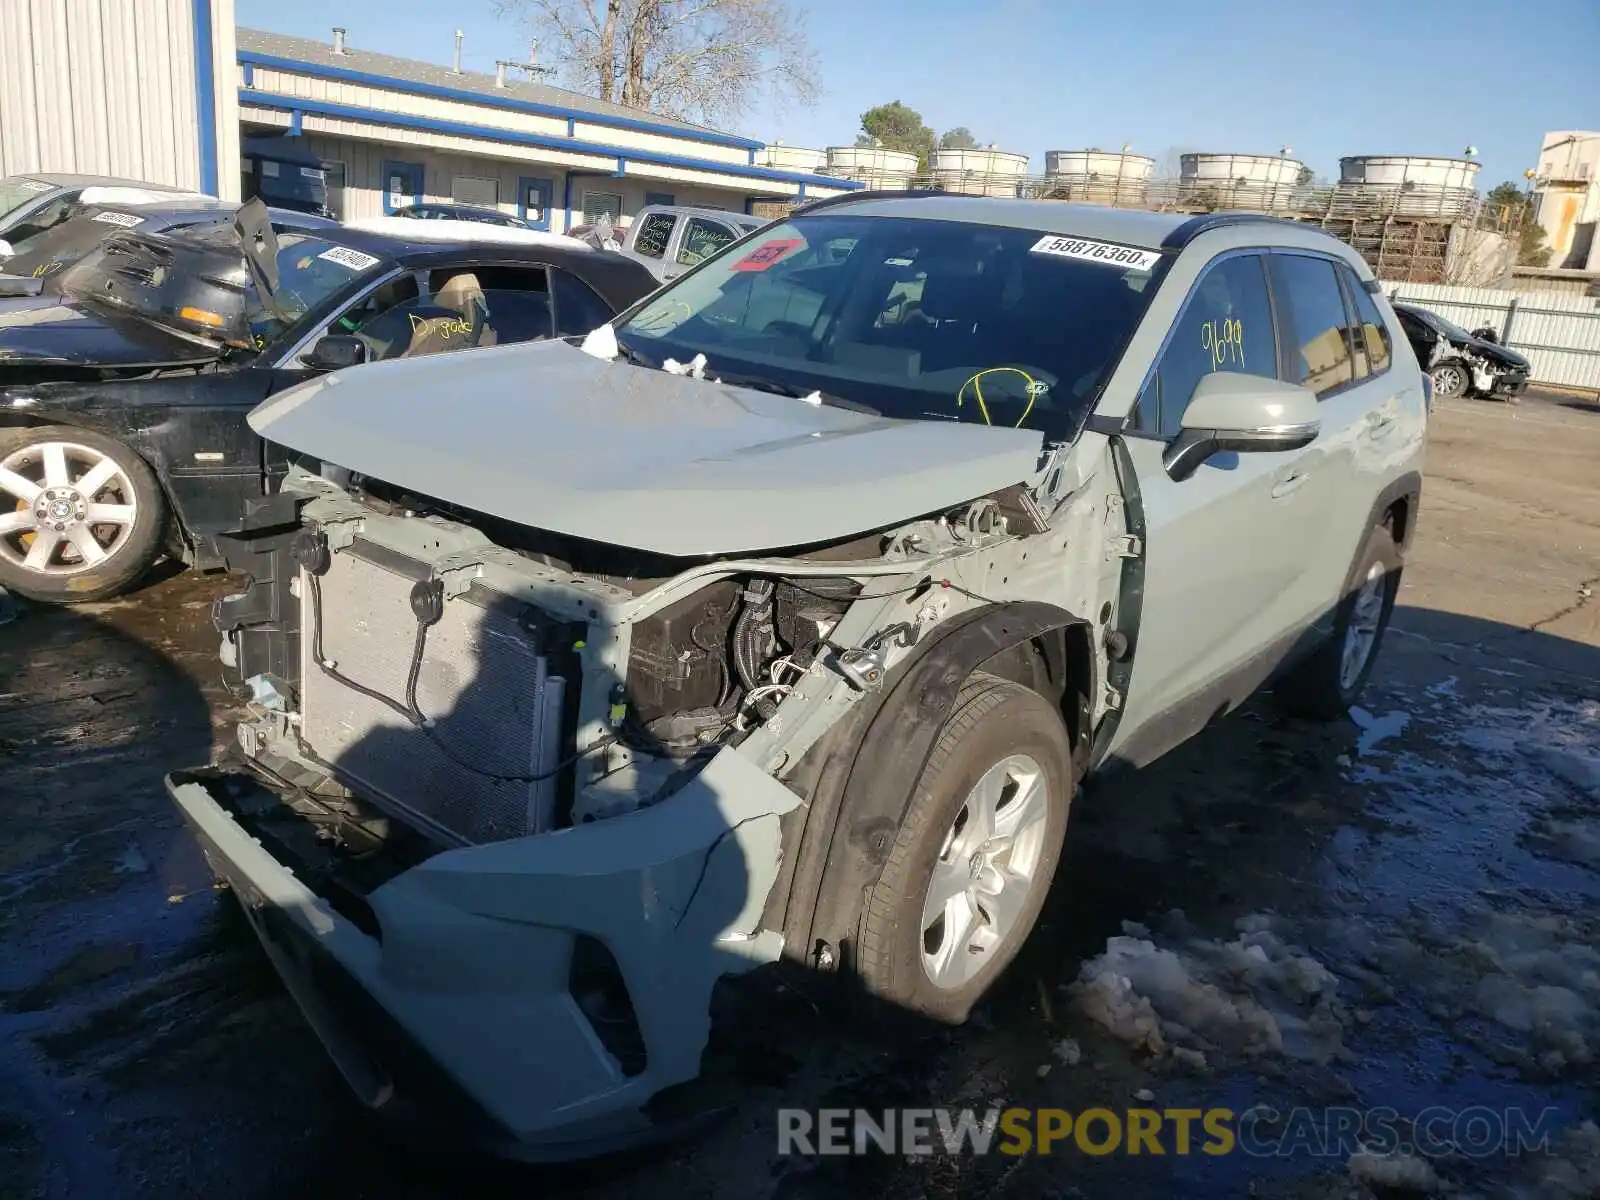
34, 185
125, 220
311, 172
347, 257
1128, 257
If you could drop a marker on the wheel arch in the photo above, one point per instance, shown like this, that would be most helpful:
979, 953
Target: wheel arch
860, 780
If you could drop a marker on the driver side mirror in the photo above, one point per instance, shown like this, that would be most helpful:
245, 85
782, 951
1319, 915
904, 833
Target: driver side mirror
335, 352
5, 249
1244, 414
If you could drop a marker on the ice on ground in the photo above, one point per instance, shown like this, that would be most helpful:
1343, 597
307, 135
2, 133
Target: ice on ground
1400, 1172
1375, 730
1250, 996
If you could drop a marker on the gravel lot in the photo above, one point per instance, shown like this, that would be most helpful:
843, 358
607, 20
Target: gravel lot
1421, 886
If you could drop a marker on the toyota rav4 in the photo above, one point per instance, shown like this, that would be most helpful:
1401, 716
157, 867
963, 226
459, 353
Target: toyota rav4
781, 619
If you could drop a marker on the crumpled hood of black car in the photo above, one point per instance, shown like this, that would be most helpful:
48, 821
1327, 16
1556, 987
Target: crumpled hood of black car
75, 337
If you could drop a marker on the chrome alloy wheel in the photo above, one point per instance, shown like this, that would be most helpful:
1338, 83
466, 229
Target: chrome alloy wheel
986, 872
1361, 631
64, 508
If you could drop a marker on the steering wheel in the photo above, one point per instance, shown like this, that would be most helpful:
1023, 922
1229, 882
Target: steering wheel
1010, 381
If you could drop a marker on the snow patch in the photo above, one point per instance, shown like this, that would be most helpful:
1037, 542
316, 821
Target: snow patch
601, 342
1247, 997
1375, 730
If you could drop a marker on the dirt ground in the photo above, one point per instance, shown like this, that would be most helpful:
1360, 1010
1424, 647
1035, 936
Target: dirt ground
1398, 910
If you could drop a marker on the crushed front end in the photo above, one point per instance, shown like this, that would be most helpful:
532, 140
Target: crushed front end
507, 805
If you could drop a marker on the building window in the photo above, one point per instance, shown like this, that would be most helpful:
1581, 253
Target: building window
596, 204
659, 198
482, 193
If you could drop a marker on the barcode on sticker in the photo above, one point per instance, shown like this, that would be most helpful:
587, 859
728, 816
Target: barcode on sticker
125, 220
347, 257
1130, 258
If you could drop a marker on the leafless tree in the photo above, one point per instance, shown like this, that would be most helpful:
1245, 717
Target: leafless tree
696, 60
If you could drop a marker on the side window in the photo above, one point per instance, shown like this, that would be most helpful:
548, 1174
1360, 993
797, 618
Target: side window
1226, 326
655, 231
702, 239
482, 306
1308, 293
1373, 346
578, 308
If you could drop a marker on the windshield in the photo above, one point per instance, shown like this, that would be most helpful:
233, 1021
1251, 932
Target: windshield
18, 190
212, 295
44, 254
1448, 328
917, 319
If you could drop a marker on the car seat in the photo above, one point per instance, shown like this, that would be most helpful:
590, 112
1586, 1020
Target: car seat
457, 319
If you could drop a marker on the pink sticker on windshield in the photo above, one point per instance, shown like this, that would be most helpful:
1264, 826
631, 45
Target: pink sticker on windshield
763, 257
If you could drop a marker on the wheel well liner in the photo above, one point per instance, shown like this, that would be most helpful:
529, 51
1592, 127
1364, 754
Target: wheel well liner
1401, 499
864, 784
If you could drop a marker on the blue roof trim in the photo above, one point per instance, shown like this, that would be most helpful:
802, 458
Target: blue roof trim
249, 58
351, 112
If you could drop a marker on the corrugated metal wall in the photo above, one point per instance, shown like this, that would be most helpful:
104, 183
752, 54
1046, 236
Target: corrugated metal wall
109, 87
1560, 334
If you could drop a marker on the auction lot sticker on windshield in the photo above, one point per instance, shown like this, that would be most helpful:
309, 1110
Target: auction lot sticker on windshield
763, 257
347, 257
1130, 258
126, 220
34, 185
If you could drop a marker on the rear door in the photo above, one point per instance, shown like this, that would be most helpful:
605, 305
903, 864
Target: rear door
1224, 548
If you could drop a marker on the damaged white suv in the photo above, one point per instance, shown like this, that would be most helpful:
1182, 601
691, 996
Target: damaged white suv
781, 621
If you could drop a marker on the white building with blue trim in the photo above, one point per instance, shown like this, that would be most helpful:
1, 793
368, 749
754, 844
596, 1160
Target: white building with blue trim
77, 94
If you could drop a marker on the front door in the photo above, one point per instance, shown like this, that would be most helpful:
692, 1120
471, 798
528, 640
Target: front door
402, 185
1225, 548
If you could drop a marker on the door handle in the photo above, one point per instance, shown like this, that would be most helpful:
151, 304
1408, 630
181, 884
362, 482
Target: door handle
1286, 484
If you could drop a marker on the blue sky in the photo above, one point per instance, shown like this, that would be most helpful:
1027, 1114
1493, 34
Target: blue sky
1245, 76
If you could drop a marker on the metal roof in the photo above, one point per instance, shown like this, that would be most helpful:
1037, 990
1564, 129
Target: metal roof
410, 70
57, 179
1130, 227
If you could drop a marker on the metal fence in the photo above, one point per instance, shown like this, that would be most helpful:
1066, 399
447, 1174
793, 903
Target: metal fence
1560, 334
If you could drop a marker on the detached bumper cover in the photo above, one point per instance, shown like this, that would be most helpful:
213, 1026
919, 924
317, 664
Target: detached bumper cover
459, 1015
1509, 383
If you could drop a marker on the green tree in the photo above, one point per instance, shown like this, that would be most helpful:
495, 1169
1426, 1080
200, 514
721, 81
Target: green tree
894, 126
959, 138
1509, 199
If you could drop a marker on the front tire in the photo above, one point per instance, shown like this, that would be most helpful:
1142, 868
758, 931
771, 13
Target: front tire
974, 856
81, 515
1330, 681
1451, 378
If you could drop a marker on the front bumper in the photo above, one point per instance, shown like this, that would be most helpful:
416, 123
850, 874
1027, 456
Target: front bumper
456, 1014
1509, 383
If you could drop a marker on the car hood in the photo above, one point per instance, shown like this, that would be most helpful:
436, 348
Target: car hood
551, 437
54, 332
1497, 353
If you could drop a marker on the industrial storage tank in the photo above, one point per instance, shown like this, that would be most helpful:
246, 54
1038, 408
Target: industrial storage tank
1406, 186
791, 158
1098, 176
979, 171
873, 165
1252, 181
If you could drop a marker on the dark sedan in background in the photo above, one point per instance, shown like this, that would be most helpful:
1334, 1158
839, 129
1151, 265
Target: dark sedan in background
122, 404
1462, 363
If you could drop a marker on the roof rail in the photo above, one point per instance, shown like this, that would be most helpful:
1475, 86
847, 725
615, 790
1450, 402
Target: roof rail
1206, 222
854, 197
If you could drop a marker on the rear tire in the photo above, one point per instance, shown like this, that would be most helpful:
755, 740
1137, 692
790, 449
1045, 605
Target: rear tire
55, 481
1330, 681
984, 828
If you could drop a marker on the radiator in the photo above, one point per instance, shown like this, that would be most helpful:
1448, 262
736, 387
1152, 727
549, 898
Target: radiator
495, 709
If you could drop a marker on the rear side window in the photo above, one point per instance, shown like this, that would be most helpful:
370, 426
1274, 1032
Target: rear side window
655, 231
1308, 292
1226, 326
578, 307
1373, 347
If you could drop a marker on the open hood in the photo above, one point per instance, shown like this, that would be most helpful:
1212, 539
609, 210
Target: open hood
550, 437
253, 224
